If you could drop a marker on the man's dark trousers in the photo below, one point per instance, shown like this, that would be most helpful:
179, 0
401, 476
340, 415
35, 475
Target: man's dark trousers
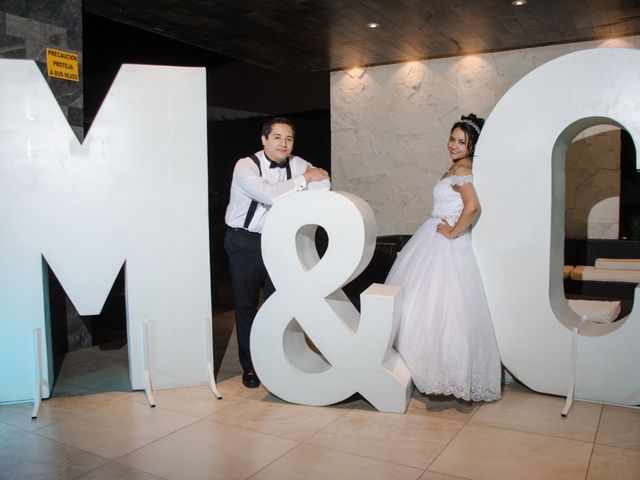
248, 277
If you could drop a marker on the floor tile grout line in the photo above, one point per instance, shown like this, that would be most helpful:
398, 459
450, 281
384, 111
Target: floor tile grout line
21, 427
265, 433
89, 471
279, 437
71, 446
79, 477
328, 425
514, 429
468, 422
65, 445
360, 455
534, 433
275, 460
160, 477
306, 441
169, 410
73, 416
630, 449
196, 420
297, 445
346, 412
76, 415
593, 446
476, 410
123, 455
586, 473
455, 477
17, 426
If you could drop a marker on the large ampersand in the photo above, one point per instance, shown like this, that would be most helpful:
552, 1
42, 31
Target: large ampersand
357, 353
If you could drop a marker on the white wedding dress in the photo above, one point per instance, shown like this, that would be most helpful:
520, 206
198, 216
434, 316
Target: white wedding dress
446, 336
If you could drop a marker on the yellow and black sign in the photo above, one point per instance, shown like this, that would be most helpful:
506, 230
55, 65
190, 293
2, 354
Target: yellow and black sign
62, 65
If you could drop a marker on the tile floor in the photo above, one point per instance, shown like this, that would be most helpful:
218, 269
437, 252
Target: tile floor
94, 428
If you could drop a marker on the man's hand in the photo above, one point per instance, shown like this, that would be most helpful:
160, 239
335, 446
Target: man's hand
313, 174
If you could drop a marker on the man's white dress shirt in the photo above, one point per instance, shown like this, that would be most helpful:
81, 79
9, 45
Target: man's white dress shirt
247, 185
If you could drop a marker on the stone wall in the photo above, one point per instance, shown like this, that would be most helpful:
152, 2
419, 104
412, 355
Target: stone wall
592, 185
28, 27
390, 125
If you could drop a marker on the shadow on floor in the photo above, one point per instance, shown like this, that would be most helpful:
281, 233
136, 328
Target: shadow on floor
105, 367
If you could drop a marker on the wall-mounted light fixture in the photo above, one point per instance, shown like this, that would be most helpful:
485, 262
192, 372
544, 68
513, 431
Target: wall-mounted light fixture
373, 25
519, 3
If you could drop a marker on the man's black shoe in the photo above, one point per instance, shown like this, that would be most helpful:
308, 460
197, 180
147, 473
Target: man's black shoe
250, 379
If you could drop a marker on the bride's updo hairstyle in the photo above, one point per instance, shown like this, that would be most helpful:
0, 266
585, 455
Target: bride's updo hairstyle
471, 126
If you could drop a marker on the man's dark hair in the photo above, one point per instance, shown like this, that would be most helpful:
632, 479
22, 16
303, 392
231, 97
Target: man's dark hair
268, 125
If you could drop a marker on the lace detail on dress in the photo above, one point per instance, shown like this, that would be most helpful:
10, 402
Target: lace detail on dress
473, 385
461, 179
447, 203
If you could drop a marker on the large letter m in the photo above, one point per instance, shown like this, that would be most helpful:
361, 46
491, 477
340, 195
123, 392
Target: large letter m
134, 193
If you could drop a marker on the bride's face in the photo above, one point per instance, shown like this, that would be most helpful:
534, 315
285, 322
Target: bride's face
457, 145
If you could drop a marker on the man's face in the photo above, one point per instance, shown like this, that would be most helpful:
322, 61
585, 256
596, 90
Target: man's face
279, 144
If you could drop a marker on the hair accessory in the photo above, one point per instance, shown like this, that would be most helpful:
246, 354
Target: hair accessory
472, 124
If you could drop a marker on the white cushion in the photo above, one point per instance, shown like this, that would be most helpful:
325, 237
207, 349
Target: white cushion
595, 310
618, 263
581, 272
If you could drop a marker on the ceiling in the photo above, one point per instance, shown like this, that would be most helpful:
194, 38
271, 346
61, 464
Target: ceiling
318, 35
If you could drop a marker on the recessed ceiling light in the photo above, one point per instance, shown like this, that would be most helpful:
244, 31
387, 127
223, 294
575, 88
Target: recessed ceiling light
373, 25
519, 3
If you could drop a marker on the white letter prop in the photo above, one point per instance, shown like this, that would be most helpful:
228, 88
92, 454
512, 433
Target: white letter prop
357, 352
519, 241
134, 191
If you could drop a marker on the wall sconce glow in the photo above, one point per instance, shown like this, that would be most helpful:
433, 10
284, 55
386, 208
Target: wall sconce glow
615, 43
373, 25
470, 63
356, 72
519, 3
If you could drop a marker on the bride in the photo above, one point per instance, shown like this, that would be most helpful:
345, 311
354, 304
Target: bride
446, 336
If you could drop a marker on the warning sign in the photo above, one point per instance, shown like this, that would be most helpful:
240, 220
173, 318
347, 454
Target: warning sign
62, 65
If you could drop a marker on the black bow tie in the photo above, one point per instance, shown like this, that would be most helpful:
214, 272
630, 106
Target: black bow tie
273, 164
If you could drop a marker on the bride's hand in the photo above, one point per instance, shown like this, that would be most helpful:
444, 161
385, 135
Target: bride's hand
445, 229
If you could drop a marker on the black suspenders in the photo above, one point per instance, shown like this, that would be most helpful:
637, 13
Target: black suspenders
252, 208
254, 204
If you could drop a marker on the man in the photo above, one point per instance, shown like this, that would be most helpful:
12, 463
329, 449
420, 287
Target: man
258, 180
